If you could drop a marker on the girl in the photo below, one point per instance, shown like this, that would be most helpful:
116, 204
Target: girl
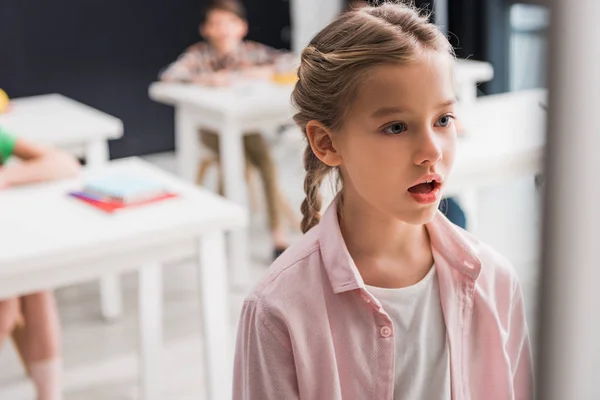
383, 298
32, 320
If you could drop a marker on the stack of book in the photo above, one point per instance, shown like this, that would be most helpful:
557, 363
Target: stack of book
117, 192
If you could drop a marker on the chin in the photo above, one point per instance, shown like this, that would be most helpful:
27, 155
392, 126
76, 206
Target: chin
418, 215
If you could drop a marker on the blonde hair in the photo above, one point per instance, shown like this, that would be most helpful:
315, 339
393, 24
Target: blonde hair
333, 65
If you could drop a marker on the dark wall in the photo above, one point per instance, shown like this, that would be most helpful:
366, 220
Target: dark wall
479, 29
105, 53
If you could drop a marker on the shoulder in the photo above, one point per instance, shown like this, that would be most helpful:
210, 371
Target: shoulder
290, 283
197, 48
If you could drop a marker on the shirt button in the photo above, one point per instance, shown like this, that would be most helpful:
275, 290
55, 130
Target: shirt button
385, 331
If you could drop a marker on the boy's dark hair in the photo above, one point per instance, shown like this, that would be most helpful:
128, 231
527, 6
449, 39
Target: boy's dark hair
233, 6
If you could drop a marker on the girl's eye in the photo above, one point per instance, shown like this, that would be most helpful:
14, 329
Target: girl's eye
444, 121
395, 129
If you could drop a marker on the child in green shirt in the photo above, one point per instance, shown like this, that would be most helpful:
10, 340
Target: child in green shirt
32, 320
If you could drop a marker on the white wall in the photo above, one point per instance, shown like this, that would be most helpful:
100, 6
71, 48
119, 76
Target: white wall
308, 17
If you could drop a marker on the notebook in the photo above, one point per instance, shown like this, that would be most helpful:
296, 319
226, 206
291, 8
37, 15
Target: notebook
113, 206
124, 189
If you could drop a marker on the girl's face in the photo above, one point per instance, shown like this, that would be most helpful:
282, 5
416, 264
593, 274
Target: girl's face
397, 143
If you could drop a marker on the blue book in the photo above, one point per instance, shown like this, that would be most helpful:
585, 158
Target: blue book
124, 188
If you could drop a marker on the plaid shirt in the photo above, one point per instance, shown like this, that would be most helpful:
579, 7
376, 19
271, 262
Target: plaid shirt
201, 58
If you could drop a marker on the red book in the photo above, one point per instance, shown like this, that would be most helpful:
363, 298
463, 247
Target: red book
112, 206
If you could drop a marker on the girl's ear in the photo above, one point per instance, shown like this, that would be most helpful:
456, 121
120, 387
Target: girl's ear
320, 139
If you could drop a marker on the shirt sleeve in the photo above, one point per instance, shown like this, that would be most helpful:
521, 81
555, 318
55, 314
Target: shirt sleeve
7, 146
264, 364
190, 64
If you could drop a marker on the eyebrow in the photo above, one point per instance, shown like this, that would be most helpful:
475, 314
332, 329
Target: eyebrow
448, 103
385, 111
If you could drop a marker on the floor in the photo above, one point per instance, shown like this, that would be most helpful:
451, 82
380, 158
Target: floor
100, 358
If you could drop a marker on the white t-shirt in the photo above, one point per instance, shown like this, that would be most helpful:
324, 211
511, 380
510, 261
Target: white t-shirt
422, 363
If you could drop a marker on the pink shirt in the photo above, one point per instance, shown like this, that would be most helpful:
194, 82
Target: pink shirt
311, 331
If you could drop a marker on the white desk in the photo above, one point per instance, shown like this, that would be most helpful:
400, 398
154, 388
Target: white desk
59, 121
467, 75
232, 112
505, 139
51, 240
81, 130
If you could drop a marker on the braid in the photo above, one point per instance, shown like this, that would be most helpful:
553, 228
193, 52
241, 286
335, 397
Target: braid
311, 206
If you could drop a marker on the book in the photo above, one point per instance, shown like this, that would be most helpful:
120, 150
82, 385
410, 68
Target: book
124, 189
113, 206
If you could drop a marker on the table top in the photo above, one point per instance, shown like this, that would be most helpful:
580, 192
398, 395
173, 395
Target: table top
506, 121
58, 120
469, 72
42, 225
504, 132
249, 98
242, 99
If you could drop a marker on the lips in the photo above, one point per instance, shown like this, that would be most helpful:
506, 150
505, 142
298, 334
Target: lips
427, 189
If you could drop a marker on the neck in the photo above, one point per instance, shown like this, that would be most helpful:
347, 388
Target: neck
382, 246
224, 49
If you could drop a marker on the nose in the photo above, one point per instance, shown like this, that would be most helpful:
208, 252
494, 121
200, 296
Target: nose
428, 148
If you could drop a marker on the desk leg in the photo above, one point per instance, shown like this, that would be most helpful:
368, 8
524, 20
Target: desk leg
187, 146
150, 331
467, 93
111, 299
239, 258
234, 182
217, 340
97, 153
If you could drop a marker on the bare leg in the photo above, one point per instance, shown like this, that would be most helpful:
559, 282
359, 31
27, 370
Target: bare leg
9, 312
39, 343
17, 335
203, 169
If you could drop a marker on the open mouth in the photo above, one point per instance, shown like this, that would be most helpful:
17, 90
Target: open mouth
425, 187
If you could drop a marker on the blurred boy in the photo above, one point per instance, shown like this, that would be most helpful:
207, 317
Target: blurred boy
215, 62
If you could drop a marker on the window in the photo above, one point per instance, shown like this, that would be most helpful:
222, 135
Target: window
528, 46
